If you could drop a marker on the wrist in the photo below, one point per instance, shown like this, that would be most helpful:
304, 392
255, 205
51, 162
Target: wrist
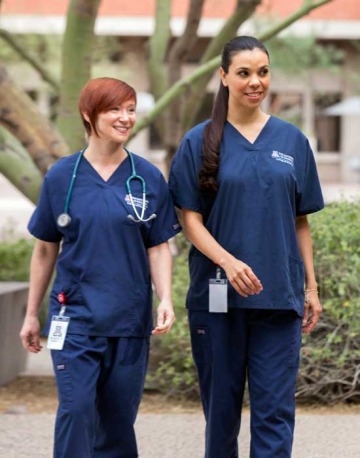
225, 261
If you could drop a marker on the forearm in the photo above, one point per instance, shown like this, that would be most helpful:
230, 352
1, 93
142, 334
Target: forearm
160, 261
305, 245
41, 269
239, 274
203, 240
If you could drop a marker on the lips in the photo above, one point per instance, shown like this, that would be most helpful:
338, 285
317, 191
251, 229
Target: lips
121, 129
253, 94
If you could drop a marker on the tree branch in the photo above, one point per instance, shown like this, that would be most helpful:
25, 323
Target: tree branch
182, 85
182, 46
18, 168
172, 130
17, 47
21, 117
243, 10
158, 45
76, 67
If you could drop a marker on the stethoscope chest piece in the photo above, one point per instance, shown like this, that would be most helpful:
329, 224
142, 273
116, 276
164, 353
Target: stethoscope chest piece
63, 220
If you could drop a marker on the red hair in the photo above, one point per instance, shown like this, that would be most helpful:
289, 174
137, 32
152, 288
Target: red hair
100, 95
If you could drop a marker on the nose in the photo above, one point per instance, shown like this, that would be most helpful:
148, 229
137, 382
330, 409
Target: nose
123, 115
254, 80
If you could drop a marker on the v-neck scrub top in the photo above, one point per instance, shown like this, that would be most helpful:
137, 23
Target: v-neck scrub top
262, 188
103, 266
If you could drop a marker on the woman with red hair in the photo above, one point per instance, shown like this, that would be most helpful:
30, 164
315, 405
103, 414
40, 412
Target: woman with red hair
104, 217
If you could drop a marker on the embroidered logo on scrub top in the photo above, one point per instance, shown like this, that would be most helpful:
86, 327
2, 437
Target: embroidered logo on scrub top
138, 202
283, 158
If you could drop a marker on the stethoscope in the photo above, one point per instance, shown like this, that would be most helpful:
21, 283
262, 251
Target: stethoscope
64, 219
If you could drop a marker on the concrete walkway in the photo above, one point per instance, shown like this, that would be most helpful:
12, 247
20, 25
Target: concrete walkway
178, 435
181, 436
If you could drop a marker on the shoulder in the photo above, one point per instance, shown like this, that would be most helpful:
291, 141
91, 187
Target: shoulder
287, 128
191, 145
145, 166
62, 166
196, 133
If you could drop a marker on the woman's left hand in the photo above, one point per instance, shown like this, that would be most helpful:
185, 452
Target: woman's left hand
165, 318
312, 312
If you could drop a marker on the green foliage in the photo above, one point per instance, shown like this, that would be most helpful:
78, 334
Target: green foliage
171, 368
44, 47
295, 55
15, 260
330, 354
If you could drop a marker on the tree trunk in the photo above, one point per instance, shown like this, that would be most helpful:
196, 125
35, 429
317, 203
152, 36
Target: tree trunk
177, 56
157, 49
18, 168
243, 10
183, 85
21, 116
76, 68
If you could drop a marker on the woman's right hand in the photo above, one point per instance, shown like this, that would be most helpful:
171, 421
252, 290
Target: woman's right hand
239, 274
30, 334
241, 277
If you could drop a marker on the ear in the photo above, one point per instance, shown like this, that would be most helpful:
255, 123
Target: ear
86, 117
223, 76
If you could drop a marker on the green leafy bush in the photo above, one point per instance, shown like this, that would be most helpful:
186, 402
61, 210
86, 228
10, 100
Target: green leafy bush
171, 368
330, 367
15, 259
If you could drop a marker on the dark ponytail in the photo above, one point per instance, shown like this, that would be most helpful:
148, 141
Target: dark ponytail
212, 138
214, 129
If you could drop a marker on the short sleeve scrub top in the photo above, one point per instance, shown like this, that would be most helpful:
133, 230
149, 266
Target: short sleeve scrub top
262, 188
103, 266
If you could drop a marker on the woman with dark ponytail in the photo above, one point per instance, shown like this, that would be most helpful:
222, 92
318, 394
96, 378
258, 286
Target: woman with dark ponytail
245, 182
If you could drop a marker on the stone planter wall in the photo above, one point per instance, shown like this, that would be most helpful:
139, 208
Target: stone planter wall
13, 298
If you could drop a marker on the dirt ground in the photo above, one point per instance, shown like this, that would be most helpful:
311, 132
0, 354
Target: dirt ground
38, 395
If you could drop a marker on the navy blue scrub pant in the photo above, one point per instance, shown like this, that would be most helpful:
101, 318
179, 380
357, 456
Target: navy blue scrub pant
100, 381
262, 346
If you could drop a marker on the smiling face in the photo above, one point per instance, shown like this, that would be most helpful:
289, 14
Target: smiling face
247, 79
116, 123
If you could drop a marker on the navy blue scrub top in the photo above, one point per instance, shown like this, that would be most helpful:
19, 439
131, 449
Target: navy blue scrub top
263, 187
103, 266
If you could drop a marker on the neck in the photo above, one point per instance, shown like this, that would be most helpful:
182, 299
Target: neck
104, 152
246, 116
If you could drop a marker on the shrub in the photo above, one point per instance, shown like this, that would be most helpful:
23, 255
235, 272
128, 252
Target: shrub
171, 368
15, 259
330, 368
330, 364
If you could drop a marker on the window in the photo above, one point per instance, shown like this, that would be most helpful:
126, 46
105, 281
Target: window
327, 128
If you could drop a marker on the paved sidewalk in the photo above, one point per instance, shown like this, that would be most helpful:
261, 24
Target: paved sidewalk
179, 435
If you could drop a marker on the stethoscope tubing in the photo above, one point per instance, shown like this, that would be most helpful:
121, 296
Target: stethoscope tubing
64, 219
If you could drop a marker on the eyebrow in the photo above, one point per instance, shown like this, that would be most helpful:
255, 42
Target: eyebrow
247, 68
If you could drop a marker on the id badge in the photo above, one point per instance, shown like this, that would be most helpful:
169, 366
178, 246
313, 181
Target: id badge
218, 298
57, 333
